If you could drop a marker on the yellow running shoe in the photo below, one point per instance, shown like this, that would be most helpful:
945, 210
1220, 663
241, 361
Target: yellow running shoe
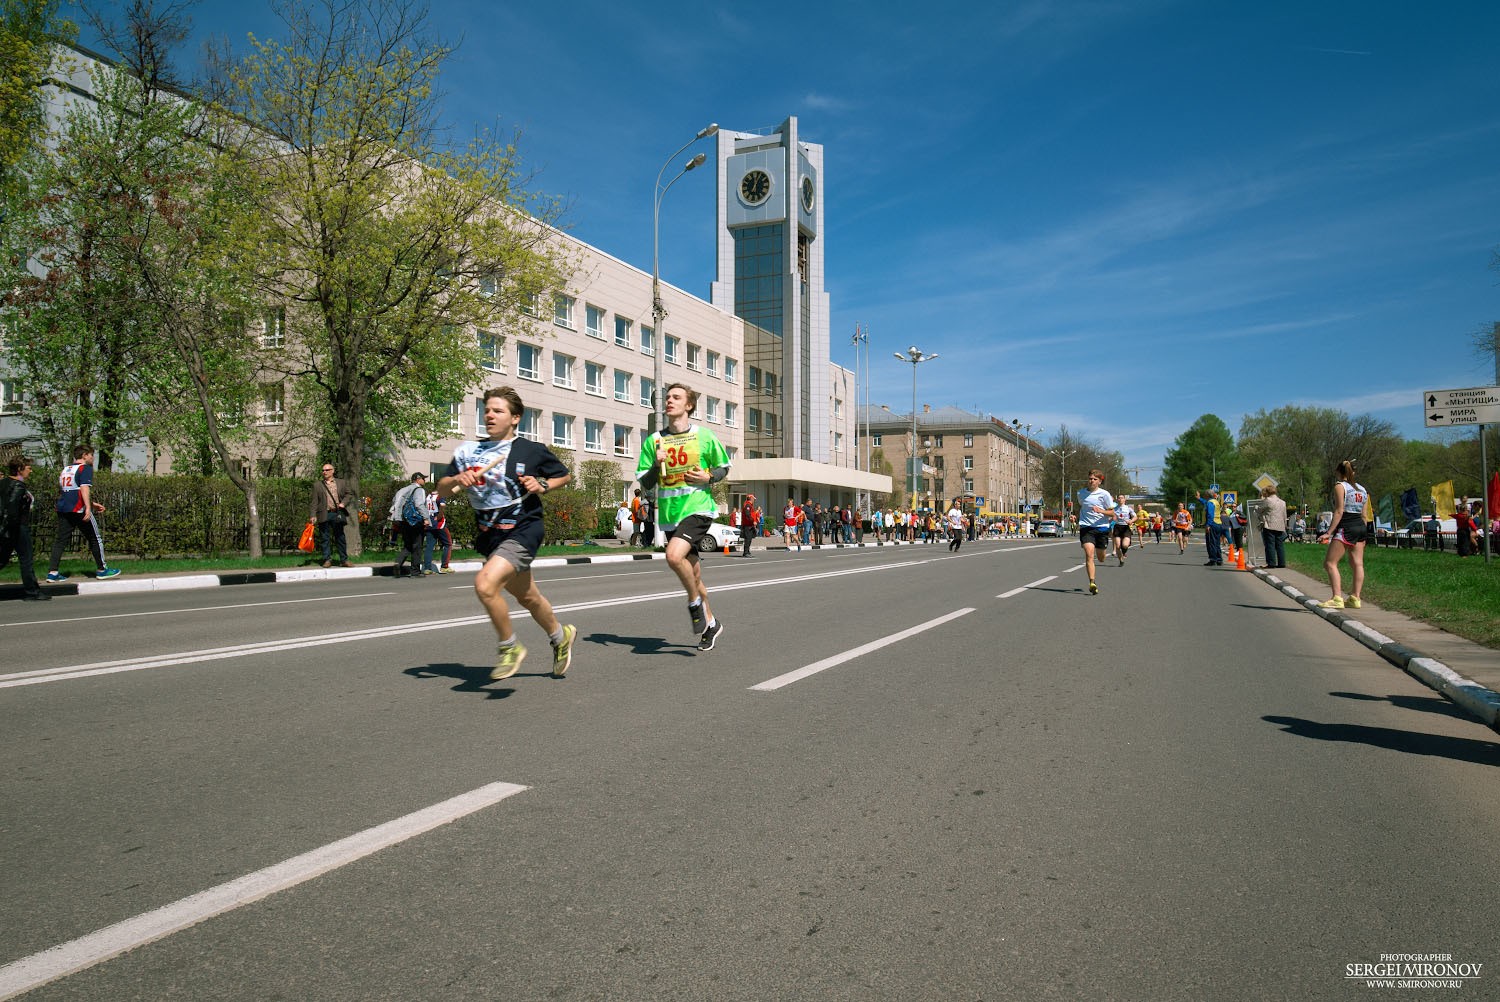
562, 653
1353, 601
509, 662
1332, 603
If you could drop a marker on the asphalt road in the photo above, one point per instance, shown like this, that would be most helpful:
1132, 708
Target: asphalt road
1183, 788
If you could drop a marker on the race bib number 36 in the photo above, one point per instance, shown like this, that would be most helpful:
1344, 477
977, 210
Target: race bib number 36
679, 453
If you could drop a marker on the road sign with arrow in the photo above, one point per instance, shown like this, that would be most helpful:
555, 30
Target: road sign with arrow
1449, 408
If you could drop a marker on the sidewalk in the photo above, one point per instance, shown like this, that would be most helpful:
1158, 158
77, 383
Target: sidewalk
1465, 672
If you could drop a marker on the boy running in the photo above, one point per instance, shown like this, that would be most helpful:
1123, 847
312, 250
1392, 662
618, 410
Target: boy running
1124, 519
507, 503
680, 462
1096, 511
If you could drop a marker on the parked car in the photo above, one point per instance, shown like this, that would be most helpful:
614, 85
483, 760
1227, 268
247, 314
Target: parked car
1047, 527
719, 536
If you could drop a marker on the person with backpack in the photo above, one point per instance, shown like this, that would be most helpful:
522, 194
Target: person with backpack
409, 516
15, 526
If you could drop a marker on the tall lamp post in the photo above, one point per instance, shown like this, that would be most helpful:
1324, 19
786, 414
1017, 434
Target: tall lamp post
1017, 423
860, 339
658, 311
916, 358
1063, 458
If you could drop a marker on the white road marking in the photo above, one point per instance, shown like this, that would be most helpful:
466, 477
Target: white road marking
1016, 591
69, 958
206, 608
796, 676
1075, 567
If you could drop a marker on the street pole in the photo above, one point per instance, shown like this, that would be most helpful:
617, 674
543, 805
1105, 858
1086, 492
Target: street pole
916, 358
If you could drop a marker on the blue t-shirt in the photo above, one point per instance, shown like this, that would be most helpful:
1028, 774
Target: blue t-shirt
72, 478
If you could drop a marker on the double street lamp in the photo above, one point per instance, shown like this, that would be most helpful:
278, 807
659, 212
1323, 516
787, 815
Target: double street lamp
1062, 456
1017, 423
916, 358
658, 311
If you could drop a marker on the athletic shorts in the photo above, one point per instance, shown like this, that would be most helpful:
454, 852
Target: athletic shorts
1122, 532
1098, 536
693, 529
1350, 534
491, 543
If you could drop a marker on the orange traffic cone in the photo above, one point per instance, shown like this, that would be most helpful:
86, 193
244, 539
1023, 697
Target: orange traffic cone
1239, 560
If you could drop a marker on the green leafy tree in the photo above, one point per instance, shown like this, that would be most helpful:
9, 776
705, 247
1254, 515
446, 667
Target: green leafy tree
1202, 455
1301, 446
390, 250
1066, 461
28, 30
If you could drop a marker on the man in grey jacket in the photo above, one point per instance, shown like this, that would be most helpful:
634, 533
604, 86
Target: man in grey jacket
331, 501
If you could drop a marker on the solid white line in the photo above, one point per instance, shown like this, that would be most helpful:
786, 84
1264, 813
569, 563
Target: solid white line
796, 676
68, 958
206, 608
1016, 591
1075, 567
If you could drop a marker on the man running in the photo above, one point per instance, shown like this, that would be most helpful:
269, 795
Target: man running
1182, 525
955, 528
681, 461
1124, 528
507, 503
1096, 511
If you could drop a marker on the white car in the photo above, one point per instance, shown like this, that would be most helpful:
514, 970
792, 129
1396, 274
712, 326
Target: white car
719, 536
1047, 527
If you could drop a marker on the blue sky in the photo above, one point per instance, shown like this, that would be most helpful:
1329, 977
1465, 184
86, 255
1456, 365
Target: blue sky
1116, 216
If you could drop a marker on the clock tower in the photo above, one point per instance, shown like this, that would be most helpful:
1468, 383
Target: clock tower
770, 273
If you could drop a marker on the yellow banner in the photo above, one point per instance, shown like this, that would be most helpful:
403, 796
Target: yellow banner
1442, 498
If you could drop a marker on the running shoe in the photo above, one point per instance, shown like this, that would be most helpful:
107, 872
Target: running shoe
508, 662
1352, 601
1093, 588
562, 653
710, 636
700, 623
54, 576
1332, 603
107, 572
445, 570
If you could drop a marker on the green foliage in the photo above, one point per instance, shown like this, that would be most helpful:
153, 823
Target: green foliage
599, 479
1202, 455
1301, 446
27, 28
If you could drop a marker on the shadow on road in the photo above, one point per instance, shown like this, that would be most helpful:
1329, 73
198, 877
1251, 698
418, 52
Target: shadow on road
641, 645
470, 678
1426, 704
1458, 749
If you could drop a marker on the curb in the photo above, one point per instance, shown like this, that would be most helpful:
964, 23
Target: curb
1481, 702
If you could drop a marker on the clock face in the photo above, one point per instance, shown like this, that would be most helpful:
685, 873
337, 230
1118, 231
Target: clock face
755, 187
809, 194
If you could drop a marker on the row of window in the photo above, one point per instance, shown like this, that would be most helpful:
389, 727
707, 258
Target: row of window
564, 366
935, 440
697, 359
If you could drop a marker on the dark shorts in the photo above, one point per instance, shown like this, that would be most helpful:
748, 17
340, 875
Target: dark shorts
693, 529
1350, 534
1098, 536
1122, 532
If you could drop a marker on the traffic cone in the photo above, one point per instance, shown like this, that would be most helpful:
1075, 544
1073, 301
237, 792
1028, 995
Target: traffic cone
1239, 560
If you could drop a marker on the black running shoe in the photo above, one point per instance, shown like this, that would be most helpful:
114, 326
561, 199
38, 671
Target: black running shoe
710, 636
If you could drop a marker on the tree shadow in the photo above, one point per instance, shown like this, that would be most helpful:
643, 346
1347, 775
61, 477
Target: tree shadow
1267, 608
1425, 704
1436, 745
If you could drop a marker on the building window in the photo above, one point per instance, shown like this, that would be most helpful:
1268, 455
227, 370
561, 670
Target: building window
754, 379
731, 413
532, 304
456, 417
712, 411
838, 441
754, 420
479, 431
770, 423
648, 390
968, 440
272, 404
622, 332
838, 407
731, 370
593, 435
968, 485
671, 345
694, 358
968, 463
622, 440
593, 379
273, 328
875, 439
562, 370
770, 383
562, 311
529, 362
530, 426
11, 397
593, 322
622, 386
712, 368
489, 352
648, 341
488, 286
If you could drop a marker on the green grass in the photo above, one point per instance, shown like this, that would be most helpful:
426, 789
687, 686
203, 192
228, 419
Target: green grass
1460, 596
80, 569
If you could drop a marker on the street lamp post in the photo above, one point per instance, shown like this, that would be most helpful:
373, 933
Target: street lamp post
1063, 475
862, 339
658, 311
916, 358
1026, 471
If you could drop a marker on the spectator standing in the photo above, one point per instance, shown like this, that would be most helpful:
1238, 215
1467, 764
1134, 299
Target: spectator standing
1346, 535
331, 498
438, 536
625, 520
507, 503
637, 518
16, 502
409, 515
789, 517
1273, 527
1212, 527
749, 520
76, 509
